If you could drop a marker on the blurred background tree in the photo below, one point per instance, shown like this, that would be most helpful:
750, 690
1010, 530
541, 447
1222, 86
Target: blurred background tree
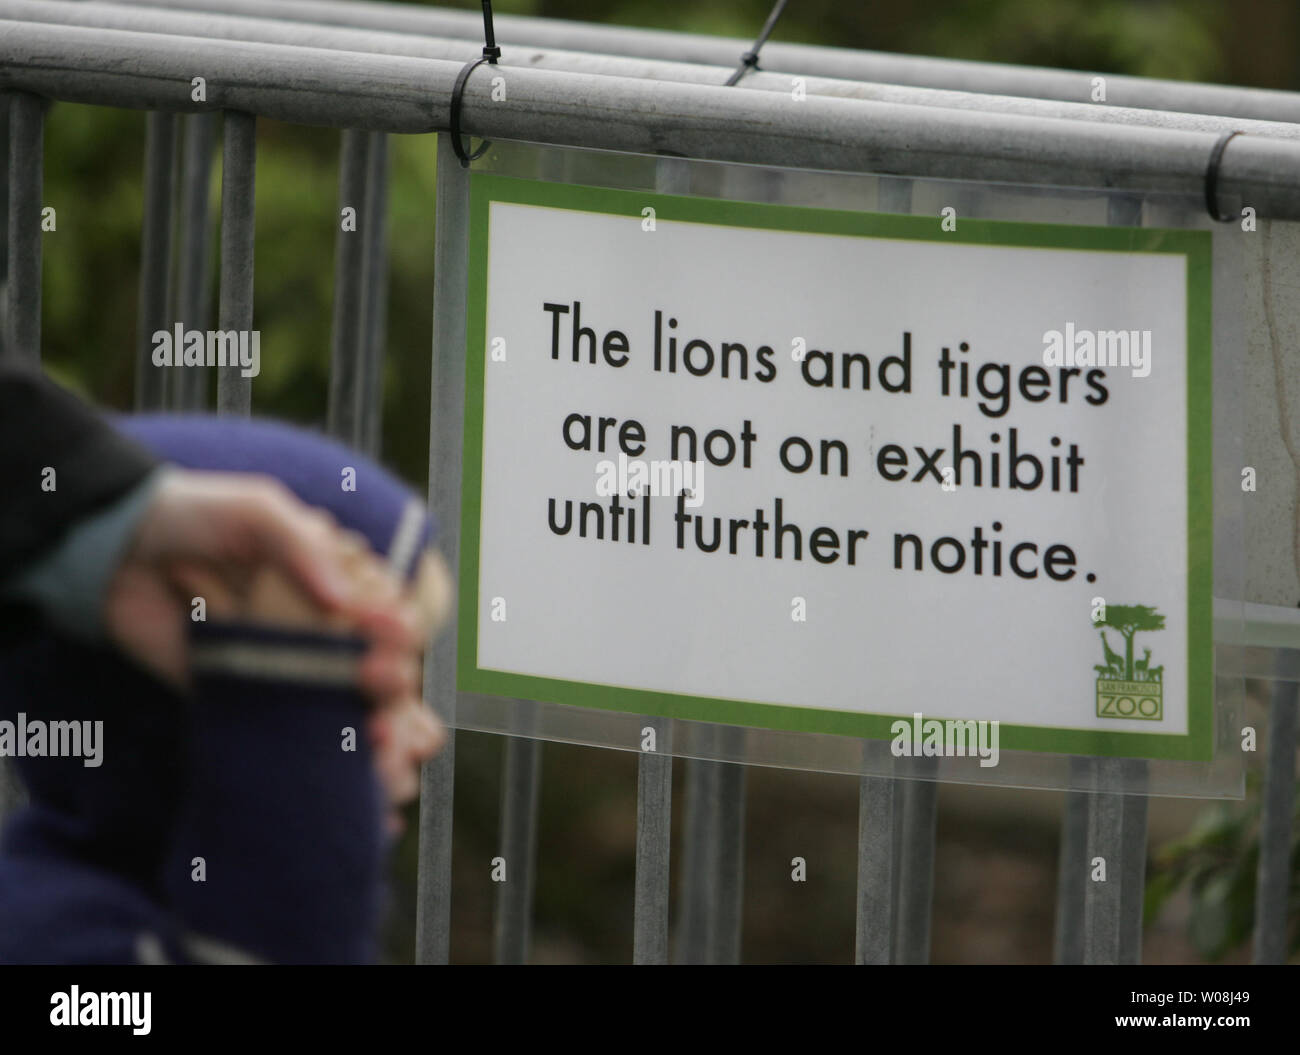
996, 853
1214, 866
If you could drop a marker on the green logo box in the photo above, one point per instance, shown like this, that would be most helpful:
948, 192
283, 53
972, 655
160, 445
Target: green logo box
1142, 700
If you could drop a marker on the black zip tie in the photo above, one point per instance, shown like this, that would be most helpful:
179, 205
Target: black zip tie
490, 50
490, 55
1212, 179
749, 60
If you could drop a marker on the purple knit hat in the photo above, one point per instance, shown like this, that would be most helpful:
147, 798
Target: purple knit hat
360, 494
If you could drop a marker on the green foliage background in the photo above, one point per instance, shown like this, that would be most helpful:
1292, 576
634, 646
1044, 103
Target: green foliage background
93, 172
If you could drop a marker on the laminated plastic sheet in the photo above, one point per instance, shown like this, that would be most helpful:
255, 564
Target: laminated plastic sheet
606, 724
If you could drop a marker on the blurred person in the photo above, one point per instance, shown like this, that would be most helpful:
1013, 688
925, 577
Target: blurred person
239, 814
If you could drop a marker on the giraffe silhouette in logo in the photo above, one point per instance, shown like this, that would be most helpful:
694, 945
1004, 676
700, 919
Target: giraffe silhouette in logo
1140, 667
1114, 661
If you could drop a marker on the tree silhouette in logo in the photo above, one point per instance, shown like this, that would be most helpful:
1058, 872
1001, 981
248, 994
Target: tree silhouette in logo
1128, 619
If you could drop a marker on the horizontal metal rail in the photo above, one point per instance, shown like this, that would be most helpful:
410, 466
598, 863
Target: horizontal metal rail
132, 18
402, 94
842, 63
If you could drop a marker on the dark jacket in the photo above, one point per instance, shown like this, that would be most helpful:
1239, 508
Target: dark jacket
43, 427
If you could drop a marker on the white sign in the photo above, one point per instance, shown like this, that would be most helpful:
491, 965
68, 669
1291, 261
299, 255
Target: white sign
821, 471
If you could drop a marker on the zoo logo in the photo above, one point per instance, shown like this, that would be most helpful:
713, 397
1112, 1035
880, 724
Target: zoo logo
1128, 689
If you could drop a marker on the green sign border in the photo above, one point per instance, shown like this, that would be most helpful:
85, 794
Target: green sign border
1197, 744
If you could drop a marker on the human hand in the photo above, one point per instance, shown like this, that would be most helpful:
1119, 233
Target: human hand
254, 553
409, 733
404, 732
221, 531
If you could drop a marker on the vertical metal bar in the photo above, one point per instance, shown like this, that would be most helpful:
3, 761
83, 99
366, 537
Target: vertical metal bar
883, 835
22, 283
728, 888
897, 871
713, 859
238, 186
877, 825
4, 223
155, 259
916, 867
1117, 823
1133, 859
1102, 893
1273, 880
1072, 868
520, 795
376, 307
723, 888
346, 388
700, 830
654, 812
446, 413
360, 291
699, 855
520, 791
193, 307
26, 180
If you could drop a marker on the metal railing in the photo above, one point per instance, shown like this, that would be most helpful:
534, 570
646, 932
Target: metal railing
370, 69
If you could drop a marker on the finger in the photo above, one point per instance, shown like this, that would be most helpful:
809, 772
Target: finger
146, 619
375, 581
355, 546
406, 785
435, 591
379, 726
388, 675
193, 581
400, 779
419, 732
393, 625
304, 544
429, 733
